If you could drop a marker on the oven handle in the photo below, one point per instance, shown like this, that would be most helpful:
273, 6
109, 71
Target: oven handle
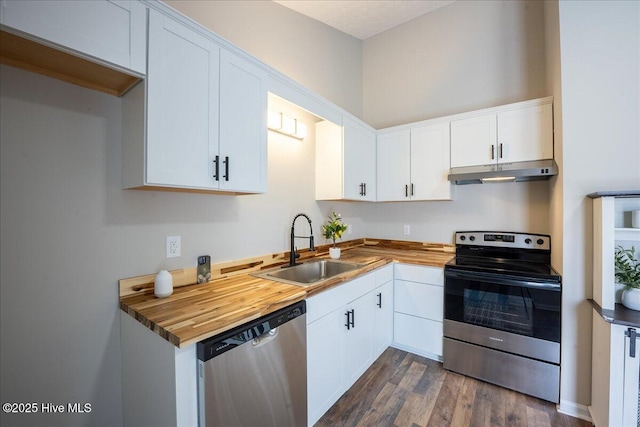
500, 279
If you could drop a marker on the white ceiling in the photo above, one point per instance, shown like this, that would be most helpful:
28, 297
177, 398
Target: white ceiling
363, 18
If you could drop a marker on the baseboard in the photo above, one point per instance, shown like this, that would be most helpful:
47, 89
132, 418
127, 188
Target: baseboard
574, 409
417, 351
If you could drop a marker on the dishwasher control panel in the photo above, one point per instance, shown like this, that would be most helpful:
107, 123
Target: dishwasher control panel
219, 344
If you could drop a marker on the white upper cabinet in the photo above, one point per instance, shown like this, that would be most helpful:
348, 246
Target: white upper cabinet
182, 106
204, 112
345, 161
112, 32
243, 127
359, 161
513, 133
413, 164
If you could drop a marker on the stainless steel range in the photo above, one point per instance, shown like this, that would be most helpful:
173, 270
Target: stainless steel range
502, 312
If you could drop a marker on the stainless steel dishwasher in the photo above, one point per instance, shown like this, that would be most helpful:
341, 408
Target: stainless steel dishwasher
256, 374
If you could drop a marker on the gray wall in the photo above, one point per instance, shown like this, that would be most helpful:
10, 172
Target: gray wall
462, 57
600, 91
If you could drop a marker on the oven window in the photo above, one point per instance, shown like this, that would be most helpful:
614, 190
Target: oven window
510, 313
503, 305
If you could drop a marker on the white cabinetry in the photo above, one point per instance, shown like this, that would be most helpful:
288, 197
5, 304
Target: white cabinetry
345, 161
614, 375
112, 32
200, 125
511, 133
413, 163
344, 336
418, 309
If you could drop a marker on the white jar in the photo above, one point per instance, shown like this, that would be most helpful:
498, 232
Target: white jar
163, 285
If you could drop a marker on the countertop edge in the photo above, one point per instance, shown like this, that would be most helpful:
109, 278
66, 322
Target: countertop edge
383, 258
619, 316
620, 194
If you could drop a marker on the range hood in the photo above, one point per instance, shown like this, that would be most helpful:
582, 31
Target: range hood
507, 172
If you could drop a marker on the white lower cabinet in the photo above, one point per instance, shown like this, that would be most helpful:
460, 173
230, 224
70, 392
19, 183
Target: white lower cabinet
347, 328
418, 309
614, 374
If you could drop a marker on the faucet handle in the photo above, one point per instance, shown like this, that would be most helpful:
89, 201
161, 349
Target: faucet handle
311, 246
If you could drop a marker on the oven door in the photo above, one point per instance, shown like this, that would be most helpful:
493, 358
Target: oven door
513, 314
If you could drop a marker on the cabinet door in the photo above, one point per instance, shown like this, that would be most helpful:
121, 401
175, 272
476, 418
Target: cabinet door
393, 164
359, 339
326, 355
243, 127
430, 163
182, 105
631, 387
418, 334
110, 31
525, 134
473, 141
359, 151
383, 318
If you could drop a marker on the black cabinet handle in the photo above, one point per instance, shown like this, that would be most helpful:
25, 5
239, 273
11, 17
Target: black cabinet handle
353, 318
361, 189
412, 188
379, 300
406, 190
501, 150
631, 333
365, 189
226, 168
348, 324
493, 152
216, 162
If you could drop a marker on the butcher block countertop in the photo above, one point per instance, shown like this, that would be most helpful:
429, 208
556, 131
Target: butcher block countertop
233, 297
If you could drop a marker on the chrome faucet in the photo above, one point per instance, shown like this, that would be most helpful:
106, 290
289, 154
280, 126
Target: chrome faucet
293, 254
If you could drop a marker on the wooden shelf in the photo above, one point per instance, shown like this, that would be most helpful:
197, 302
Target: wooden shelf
32, 56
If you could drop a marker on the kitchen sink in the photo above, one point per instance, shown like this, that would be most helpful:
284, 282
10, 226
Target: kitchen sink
310, 272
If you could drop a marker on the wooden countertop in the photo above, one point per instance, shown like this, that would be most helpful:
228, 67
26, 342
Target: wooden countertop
195, 312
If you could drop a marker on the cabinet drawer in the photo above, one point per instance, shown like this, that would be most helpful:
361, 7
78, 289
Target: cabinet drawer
418, 299
324, 303
419, 273
418, 333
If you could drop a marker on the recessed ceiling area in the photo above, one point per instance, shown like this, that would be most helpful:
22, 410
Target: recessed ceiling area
363, 18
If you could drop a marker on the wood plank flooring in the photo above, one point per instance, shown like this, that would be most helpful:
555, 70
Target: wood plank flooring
402, 389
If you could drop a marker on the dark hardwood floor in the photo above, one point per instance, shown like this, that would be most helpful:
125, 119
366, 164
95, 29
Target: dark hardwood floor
402, 389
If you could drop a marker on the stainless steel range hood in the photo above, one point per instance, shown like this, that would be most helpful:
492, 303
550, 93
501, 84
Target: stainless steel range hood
507, 172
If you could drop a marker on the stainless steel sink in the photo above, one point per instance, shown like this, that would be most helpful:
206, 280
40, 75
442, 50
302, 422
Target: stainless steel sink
310, 272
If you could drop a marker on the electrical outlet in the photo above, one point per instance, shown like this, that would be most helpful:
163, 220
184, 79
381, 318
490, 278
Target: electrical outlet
173, 246
407, 229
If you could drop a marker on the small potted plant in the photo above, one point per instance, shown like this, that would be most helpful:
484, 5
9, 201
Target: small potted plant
333, 230
627, 270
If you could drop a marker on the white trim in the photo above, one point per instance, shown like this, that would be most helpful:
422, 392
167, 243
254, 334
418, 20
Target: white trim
574, 409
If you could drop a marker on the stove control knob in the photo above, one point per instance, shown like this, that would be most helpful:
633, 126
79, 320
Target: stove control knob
463, 238
540, 241
527, 241
472, 238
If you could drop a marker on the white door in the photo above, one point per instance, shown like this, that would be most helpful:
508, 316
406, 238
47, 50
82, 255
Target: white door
359, 161
243, 127
430, 163
383, 318
525, 134
393, 163
473, 141
359, 338
326, 353
182, 105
